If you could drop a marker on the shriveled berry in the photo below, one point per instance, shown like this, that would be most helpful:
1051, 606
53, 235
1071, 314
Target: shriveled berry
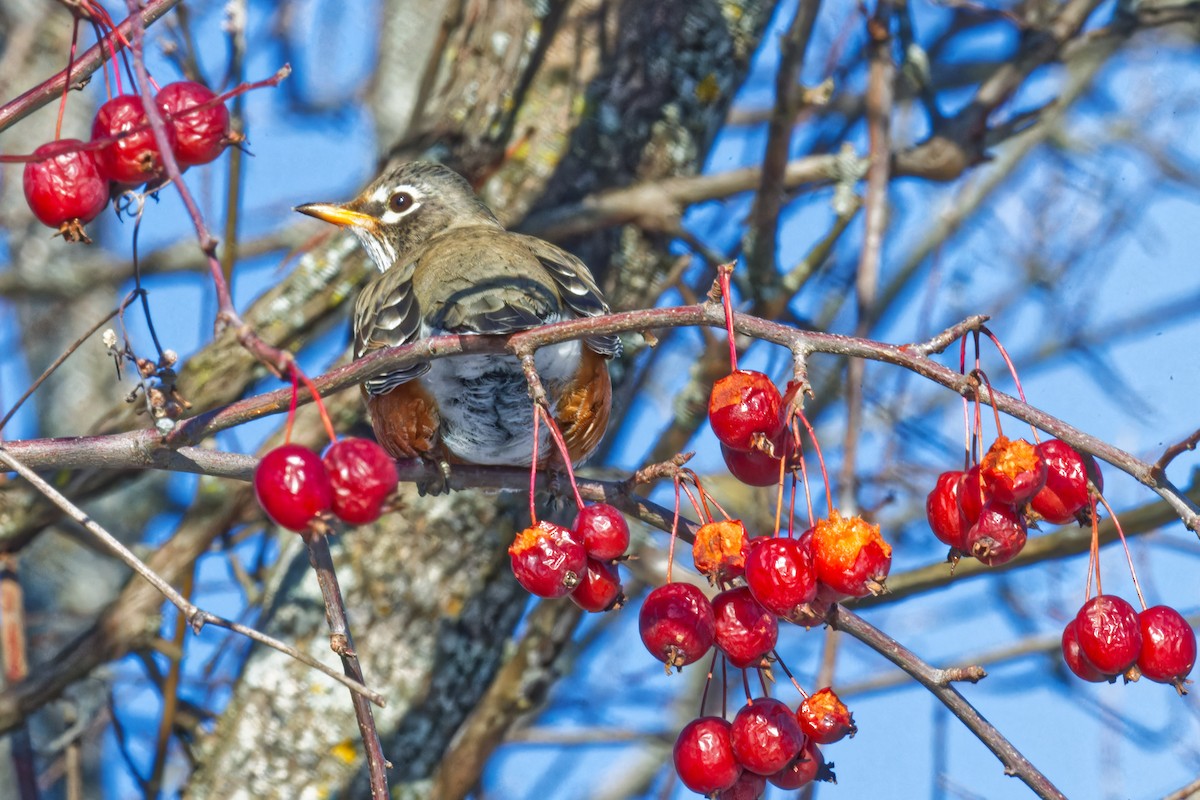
752, 467
998, 535
133, 159
850, 555
748, 787
66, 190
745, 631
703, 755
1109, 633
970, 495
363, 476
765, 736
200, 136
600, 588
1065, 492
1012, 471
292, 486
942, 509
781, 575
603, 531
824, 718
677, 624
1168, 646
744, 405
1075, 659
719, 549
547, 560
809, 766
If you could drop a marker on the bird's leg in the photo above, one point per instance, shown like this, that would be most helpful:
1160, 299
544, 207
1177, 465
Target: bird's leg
436, 480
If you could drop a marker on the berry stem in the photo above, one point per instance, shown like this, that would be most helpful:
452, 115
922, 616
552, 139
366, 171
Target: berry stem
995, 411
674, 530
1093, 555
1128, 556
712, 662
724, 272
1012, 370
62, 104
746, 686
788, 672
556, 434
820, 458
779, 492
312, 387
533, 462
287, 432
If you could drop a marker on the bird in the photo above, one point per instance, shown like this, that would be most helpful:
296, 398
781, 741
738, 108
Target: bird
448, 266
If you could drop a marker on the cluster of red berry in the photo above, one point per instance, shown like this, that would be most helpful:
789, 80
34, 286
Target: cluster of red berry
579, 562
69, 182
1108, 638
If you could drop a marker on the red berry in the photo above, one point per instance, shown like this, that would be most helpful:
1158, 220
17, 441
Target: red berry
810, 766
600, 588
824, 718
998, 535
781, 574
743, 406
1168, 645
547, 560
970, 495
703, 755
1012, 471
67, 190
751, 467
363, 475
200, 136
850, 555
1076, 660
1109, 633
603, 531
942, 509
1065, 492
765, 736
748, 787
132, 159
745, 631
677, 624
720, 548
292, 486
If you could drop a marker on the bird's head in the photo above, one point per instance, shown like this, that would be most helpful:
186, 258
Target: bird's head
404, 208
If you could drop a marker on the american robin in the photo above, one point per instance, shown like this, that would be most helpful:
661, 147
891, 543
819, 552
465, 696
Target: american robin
448, 266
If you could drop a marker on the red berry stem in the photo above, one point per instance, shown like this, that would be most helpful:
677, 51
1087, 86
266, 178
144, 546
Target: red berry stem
1012, 370
1094, 553
991, 393
820, 458
712, 662
1128, 557
559, 442
533, 462
287, 431
779, 660
62, 103
674, 529
804, 477
724, 271
312, 387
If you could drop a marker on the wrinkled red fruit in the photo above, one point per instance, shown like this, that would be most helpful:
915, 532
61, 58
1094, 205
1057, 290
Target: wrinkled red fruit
67, 190
1012, 471
1076, 661
998, 535
824, 718
751, 467
970, 495
850, 556
745, 631
1109, 633
720, 548
362, 475
1168, 645
781, 574
942, 509
703, 755
292, 486
132, 159
547, 560
603, 531
1065, 492
745, 404
600, 588
748, 787
765, 736
677, 624
200, 136
810, 766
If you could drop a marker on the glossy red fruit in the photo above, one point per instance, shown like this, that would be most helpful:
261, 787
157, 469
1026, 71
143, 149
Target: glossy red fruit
970, 495
1168, 646
363, 476
600, 588
1012, 471
719, 549
65, 190
132, 159
1109, 633
200, 136
944, 512
745, 631
603, 531
824, 718
850, 555
1065, 492
765, 736
547, 560
292, 486
745, 405
703, 755
1076, 661
677, 624
748, 787
780, 574
809, 766
998, 535
752, 467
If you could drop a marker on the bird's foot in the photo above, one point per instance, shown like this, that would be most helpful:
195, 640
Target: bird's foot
436, 480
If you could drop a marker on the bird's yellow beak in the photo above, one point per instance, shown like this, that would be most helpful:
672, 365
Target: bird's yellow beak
338, 215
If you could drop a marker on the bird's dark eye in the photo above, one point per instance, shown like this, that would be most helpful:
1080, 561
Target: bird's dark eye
400, 201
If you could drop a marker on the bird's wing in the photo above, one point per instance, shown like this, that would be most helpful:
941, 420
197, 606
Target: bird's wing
386, 315
577, 288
